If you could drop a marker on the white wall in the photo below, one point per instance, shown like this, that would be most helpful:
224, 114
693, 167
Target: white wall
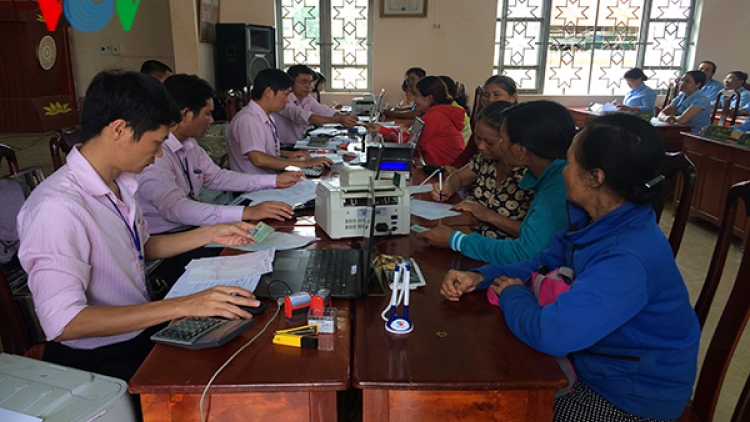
456, 38
149, 38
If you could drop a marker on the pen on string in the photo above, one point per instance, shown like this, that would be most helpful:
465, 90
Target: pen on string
428, 178
440, 184
418, 270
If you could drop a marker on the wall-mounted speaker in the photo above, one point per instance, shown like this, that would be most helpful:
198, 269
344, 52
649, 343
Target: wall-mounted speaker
242, 51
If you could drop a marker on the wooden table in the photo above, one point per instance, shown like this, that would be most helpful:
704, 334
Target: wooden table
719, 165
264, 382
461, 362
671, 133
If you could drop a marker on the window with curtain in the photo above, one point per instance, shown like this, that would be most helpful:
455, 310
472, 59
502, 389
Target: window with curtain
330, 36
581, 47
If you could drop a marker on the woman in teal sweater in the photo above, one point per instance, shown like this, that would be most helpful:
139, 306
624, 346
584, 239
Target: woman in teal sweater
537, 135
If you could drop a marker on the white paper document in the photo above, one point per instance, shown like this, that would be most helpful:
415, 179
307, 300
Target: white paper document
295, 195
279, 241
231, 267
327, 131
608, 107
335, 158
413, 190
183, 287
430, 210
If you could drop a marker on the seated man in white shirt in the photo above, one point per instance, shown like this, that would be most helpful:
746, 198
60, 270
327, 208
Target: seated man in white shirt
303, 110
253, 138
84, 239
169, 189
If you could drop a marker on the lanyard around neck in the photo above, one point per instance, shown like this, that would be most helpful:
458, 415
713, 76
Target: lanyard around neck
275, 135
186, 171
132, 231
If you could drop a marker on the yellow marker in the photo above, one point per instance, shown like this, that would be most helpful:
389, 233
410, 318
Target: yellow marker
305, 330
306, 342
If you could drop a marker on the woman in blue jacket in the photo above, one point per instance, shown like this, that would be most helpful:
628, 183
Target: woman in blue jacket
626, 323
641, 97
535, 135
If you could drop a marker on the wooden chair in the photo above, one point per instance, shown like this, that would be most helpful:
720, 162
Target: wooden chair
10, 156
233, 103
677, 163
673, 90
726, 107
13, 335
63, 140
460, 89
742, 411
477, 106
731, 323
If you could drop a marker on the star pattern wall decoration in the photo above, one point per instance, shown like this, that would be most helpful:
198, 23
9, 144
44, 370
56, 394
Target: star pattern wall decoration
349, 38
612, 75
670, 9
519, 44
300, 18
347, 49
590, 43
667, 42
524, 9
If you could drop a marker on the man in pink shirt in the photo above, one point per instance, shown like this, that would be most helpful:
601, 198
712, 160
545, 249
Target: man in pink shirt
252, 137
168, 190
84, 240
303, 110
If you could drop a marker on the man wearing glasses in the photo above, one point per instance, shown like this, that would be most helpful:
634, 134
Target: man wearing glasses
303, 110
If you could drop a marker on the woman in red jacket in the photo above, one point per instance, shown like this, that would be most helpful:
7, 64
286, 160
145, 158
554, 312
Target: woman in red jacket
441, 141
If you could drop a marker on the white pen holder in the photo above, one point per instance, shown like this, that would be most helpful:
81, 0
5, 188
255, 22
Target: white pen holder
399, 324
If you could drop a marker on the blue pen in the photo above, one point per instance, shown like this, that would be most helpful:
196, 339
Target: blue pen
440, 185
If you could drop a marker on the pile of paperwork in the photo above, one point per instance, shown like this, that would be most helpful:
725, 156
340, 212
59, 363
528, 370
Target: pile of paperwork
240, 270
294, 196
430, 210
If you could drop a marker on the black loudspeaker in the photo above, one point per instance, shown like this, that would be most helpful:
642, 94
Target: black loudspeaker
241, 52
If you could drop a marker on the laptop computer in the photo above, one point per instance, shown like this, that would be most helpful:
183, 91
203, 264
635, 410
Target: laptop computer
345, 272
375, 110
416, 132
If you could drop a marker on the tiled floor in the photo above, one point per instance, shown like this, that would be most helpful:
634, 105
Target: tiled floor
693, 259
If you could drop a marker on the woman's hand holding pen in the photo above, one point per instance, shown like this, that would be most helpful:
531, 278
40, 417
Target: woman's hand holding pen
447, 191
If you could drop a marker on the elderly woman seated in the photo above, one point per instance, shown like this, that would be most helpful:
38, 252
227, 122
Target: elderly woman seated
625, 322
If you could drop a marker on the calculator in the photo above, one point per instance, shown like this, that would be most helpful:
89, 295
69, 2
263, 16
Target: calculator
314, 171
196, 333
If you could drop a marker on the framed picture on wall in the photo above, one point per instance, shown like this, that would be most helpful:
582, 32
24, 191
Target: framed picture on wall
209, 17
403, 8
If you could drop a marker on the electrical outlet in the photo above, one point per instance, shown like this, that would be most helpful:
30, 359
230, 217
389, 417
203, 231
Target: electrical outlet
105, 49
115, 48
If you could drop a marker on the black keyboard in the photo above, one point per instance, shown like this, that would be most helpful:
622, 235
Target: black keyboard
327, 270
314, 171
197, 333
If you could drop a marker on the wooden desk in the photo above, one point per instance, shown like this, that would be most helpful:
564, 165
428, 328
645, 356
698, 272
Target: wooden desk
460, 362
719, 165
671, 133
740, 120
264, 382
